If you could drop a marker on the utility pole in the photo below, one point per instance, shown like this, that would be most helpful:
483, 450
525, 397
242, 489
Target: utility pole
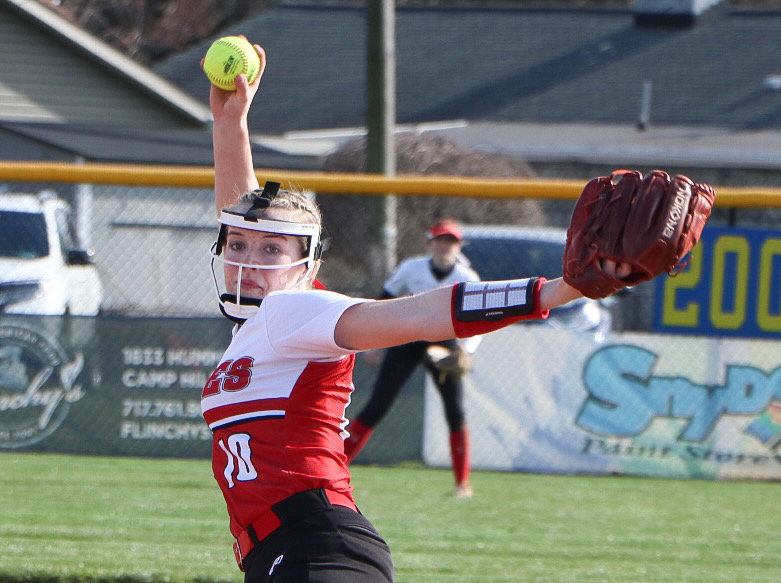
381, 118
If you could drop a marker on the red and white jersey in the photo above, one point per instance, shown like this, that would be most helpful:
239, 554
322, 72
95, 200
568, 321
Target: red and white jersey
414, 275
276, 404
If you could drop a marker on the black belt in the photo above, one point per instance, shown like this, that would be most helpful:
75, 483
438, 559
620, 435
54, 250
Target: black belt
291, 509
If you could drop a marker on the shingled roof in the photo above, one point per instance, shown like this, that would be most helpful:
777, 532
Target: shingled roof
525, 65
131, 145
66, 75
70, 95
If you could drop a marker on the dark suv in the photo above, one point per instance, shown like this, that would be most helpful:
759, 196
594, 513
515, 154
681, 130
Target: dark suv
507, 252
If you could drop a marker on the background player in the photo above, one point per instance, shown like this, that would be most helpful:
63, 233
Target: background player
447, 361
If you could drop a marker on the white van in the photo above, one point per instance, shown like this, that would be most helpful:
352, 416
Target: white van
42, 270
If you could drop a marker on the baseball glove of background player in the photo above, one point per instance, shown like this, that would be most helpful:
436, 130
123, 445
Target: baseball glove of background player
446, 361
649, 222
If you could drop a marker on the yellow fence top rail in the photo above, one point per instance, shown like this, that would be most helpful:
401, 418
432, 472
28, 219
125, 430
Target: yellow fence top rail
339, 183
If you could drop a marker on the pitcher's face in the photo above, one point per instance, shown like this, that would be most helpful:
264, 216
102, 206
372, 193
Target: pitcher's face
263, 249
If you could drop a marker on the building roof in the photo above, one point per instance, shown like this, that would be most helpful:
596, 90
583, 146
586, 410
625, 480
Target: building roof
70, 95
133, 145
531, 65
64, 74
620, 145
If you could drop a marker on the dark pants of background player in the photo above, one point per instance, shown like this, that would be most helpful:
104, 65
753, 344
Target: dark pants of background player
336, 545
396, 368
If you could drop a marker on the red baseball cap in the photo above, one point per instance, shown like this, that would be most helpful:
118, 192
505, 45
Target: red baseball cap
445, 227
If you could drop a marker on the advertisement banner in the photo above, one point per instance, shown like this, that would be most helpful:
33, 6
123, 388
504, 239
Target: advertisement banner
132, 386
731, 287
639, 404
109, 386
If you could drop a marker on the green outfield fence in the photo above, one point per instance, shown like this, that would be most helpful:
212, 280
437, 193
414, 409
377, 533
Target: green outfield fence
127, 381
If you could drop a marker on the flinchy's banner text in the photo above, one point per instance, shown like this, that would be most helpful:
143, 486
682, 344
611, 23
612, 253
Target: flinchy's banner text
110, 386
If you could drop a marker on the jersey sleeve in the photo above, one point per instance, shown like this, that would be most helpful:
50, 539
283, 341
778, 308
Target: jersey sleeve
301, 324
396, 284
470, 274
471, 344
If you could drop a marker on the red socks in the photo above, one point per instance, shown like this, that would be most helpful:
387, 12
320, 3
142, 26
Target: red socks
459, 452
359, 435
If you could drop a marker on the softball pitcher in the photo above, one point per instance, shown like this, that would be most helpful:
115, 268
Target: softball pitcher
276, 402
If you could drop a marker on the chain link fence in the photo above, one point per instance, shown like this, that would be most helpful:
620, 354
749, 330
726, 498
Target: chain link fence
123, 375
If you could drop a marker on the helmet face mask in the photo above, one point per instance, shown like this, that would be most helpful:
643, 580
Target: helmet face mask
228, 273
232, 305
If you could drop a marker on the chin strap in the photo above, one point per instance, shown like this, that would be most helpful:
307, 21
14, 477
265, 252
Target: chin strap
239, 310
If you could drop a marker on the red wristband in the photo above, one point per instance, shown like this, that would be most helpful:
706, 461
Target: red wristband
483, 321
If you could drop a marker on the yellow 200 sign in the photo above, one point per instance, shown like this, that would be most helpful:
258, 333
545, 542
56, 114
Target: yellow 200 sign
732, 286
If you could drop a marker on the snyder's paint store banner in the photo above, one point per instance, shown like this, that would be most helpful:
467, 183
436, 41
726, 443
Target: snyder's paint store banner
640, 404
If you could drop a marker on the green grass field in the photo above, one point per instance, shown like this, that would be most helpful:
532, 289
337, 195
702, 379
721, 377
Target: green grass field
70, 518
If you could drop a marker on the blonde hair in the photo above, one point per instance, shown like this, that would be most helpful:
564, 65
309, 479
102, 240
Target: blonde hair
301, 203
292, 200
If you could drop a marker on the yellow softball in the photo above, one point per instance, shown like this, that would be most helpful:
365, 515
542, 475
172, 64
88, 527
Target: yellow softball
229, 57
